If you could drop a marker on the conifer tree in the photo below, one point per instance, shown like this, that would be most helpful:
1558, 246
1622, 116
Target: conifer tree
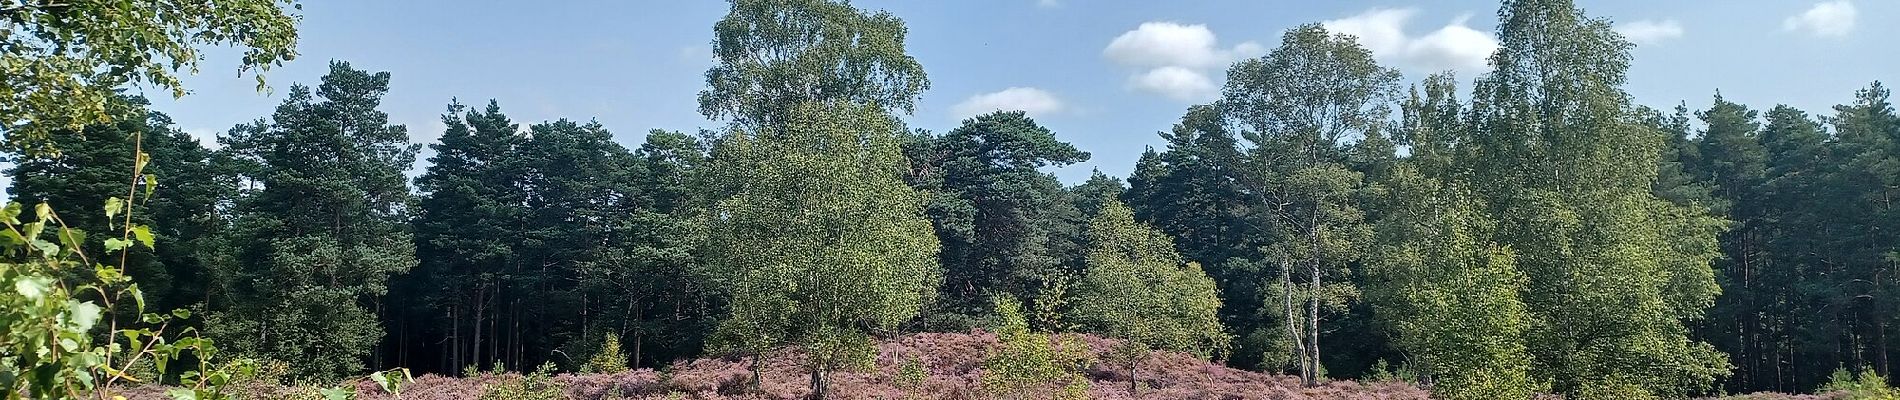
315, 247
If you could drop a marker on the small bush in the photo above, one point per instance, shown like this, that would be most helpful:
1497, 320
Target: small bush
1027, 364
537, 385
608, 360
1864, 386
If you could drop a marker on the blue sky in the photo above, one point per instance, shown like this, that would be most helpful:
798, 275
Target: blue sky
1105, 75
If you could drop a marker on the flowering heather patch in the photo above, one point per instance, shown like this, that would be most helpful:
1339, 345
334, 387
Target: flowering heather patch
951, 364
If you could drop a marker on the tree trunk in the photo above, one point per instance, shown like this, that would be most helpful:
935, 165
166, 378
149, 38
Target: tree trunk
639, 335
757, 359
818, 384
475, 343
1312, 298
1312, 327
1292, 318
1133, 384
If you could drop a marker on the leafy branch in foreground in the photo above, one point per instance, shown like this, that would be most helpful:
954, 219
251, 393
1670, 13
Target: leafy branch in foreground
48, 349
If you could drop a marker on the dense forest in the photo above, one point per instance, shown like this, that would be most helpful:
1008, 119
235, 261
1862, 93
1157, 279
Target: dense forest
1528, 230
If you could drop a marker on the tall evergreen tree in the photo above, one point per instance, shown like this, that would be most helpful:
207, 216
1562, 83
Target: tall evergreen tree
1731, 162
1862, 180
465, 234
647, 286
1192, 192
1007, 228
315, 247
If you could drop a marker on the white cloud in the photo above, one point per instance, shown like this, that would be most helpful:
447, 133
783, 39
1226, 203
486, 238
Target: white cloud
1036, 102
1455, 46
1164, 44
1834, 18
1179, 83
1650, 32
1174, 59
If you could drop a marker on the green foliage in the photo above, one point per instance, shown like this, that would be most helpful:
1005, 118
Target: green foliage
1137, 289
53, 310
1006, 227
911, 374
89, 169
609, 359
1613, 272
313, 250
815, 238
1300, 106
391, 381
1192, 191
1448, 294
1031, 365
537, 385
62, 62
1867, 385
773, 56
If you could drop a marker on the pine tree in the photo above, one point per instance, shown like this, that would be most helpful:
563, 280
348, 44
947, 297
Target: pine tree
1007, 228
465, 236
315, 247
1192, 192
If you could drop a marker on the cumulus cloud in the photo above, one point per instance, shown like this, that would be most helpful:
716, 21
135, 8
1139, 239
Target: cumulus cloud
1454, 46
1179, 83
1828, 19
1166, 44
1650, 32
1036, 102
1174, 59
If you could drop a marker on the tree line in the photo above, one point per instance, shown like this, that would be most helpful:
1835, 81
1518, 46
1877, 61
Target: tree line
1530, 230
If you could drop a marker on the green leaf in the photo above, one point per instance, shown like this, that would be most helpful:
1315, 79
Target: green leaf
33, 287
12, 239
43, 211
381, 380
117, 244
46, 248
72, 238
84, 314
11, 213
337, 393
182, 394
182, 313
32, 230
114, 205
151, 183
143, 234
